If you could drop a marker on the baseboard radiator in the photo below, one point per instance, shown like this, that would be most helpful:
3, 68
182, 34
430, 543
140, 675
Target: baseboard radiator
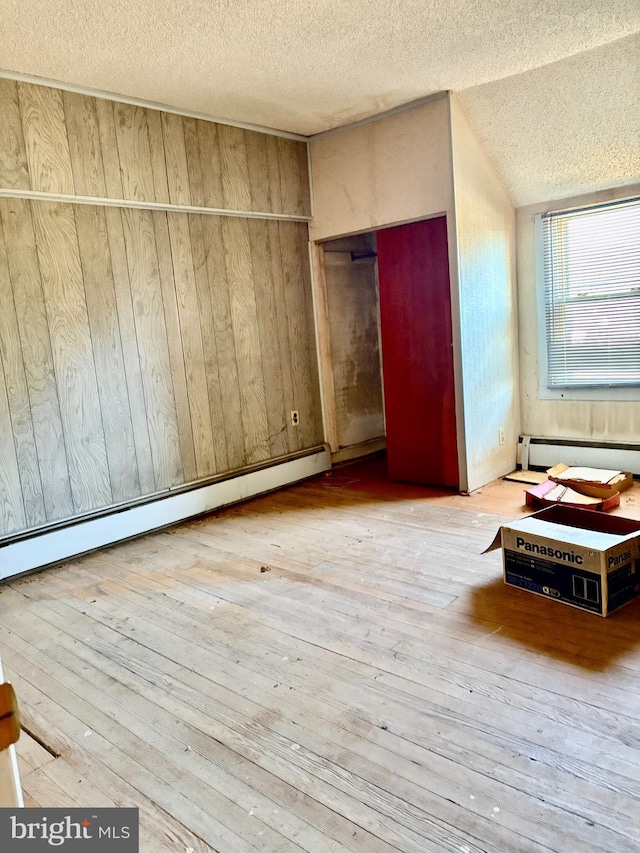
541, 453
36, 549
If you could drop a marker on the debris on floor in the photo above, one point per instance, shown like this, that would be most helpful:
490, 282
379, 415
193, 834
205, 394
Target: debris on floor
597, 482
526, 476
576, 486
550, 492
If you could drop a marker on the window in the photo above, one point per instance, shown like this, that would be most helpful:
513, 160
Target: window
592, 297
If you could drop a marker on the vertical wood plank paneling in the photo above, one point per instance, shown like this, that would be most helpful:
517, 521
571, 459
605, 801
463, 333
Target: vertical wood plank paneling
14, 173
129, 343
84, 144
226, 348
18, 426
109, 148
174, 342
258, 163
140, 350
63, 287
95, 256
210, 161
283, 301
38, 360
151, 332
235, 232
176, 159
134, 152
235, 169
194, 166
63, 142
273, 166
292, 161
45, 136
268, 327
158, 162
209, 343
12, 509
293, 274
191, 335
12, 515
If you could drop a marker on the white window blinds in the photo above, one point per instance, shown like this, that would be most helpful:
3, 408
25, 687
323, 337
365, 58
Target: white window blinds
592, 295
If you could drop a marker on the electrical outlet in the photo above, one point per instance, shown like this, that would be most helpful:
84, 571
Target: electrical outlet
295, 417
501, 436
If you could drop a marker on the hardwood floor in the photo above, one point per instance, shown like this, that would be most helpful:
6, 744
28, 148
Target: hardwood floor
332, 667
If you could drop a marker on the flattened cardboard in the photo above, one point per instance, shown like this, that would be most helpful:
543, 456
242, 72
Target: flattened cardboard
596, 482
551, 492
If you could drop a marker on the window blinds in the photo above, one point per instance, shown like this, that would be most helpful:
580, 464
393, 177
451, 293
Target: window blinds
592, 295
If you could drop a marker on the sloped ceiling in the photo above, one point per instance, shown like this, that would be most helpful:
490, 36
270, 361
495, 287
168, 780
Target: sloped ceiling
535, 75
567, 128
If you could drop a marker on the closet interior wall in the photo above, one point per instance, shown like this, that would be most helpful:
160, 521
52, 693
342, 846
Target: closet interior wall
353, 312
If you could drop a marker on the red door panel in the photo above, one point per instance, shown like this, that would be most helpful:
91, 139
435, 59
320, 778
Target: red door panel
417, 353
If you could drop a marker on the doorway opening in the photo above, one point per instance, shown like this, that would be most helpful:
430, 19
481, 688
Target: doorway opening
390, 329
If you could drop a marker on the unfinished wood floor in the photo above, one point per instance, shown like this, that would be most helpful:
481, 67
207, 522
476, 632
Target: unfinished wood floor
333, 667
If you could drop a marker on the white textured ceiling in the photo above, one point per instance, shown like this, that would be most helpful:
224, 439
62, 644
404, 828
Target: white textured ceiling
564, 129
309, 65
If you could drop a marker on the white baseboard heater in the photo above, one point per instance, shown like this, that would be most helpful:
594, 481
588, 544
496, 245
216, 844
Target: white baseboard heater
537, 452
36, 549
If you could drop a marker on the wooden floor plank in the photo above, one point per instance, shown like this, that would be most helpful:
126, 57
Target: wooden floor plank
305, 719
482, 702
335, 667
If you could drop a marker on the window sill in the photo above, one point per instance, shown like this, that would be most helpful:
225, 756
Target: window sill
608, 395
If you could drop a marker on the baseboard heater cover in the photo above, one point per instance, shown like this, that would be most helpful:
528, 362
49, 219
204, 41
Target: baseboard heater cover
538, 452
54, 546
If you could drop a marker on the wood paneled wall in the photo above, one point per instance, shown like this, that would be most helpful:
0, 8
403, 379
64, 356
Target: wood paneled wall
66, 143
144, 349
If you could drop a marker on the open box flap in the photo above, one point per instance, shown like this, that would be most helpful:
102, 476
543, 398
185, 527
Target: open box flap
497, 542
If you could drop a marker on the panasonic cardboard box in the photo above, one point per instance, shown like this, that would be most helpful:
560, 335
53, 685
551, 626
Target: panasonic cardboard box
586, 559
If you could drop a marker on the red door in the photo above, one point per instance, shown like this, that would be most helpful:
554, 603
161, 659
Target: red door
417, 353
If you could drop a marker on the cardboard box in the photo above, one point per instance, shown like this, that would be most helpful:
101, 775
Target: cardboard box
596, 482
585, 559
550, 493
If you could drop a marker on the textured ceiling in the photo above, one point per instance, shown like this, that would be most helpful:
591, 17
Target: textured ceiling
568, 128
309, 65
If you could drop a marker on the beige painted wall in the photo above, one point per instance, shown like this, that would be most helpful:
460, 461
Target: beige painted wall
585, 419
485, 228
404, 168
385, 172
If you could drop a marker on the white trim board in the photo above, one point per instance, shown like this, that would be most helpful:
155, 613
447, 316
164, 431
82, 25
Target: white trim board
38, 195
140, 102
358, 451
53, 546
